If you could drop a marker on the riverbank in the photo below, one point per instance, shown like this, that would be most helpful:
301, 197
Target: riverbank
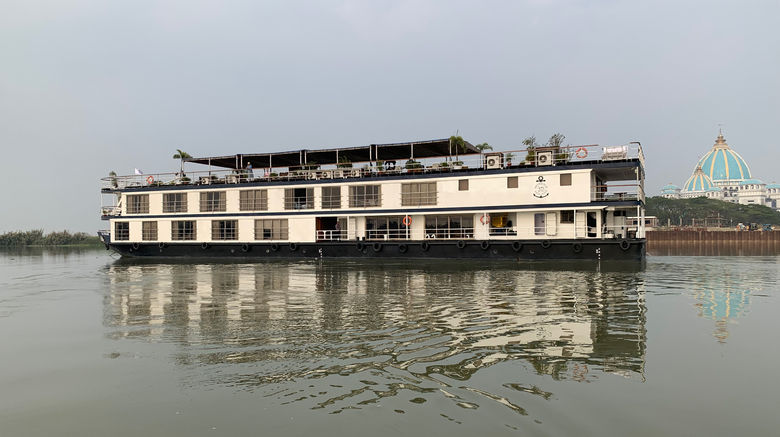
37, 238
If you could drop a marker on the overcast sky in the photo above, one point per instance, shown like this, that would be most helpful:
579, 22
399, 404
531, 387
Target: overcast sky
91, 86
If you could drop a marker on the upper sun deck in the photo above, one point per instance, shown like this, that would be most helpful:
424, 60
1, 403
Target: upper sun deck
414, 159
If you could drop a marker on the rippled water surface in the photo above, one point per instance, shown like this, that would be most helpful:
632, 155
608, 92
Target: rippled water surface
92, 345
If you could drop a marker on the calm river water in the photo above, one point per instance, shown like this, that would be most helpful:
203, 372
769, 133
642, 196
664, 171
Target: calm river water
91, 345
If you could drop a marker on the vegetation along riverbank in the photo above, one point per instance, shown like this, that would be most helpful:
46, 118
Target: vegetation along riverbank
53, 239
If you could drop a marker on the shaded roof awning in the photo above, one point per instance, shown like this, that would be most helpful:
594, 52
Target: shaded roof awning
373, 152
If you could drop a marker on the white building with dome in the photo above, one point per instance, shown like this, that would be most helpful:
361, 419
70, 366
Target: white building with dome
723, 174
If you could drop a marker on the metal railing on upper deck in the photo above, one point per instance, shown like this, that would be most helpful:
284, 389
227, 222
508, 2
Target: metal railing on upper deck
541, 157
618, 192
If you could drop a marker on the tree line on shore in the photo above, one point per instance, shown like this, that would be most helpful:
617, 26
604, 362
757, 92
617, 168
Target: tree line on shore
700, 209
38, 238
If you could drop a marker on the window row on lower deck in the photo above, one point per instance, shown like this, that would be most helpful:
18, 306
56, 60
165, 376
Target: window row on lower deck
489, 224
187, 230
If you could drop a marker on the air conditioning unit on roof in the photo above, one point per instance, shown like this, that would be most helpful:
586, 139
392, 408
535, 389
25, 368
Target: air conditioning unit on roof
494, 160
544, 158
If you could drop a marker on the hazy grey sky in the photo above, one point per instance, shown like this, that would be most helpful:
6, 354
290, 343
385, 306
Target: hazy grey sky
91, 86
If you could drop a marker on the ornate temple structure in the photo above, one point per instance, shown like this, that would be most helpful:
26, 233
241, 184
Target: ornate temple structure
722, 174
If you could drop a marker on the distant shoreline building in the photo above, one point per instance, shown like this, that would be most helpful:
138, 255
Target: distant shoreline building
724, 175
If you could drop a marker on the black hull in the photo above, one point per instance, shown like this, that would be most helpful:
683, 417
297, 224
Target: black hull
529, 250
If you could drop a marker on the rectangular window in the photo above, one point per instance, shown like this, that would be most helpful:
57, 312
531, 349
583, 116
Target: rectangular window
271, 229
175, 202
298, 198
511, 182
212, 201
253, 200
567, 216
416, 194
565, 179
224, 230
362, 196
449, 226
149, 231
463, 185
121, 231
138, 204
183, 230
539, 227
331, 197
387, 228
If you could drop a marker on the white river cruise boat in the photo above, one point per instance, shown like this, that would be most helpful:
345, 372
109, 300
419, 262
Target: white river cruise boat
419, 199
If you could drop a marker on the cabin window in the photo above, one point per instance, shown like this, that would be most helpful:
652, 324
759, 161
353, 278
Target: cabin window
175, 202
138, 204
386, 228
362, 196
331, 197
253, 200
565, 179
417, 194
511, 182
500, 223
212, 201
121, 231
183, 230
463, 185
299, 198
271, 229
224, 230
149, 231
567, 216
449, 226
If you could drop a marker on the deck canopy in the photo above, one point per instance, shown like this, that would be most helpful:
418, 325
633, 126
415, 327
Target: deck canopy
373, 152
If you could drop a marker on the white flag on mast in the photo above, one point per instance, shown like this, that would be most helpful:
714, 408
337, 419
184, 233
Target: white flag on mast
138, 172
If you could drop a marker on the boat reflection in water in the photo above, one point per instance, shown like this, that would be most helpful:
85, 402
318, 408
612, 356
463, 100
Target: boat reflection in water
343, 334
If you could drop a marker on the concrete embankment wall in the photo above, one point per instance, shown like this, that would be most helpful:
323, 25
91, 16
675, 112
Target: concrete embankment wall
713, 243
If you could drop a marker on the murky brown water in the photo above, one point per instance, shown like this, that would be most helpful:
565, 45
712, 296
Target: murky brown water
91, 345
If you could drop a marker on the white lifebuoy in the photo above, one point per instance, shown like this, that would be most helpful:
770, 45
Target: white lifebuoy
582, 153
150, 179
484, 219
407, 220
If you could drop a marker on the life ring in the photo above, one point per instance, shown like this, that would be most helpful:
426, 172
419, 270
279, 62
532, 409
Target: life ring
244, 247
150, 180
403, 248
204, 246
485, 218
576, 247
377, 247
274, 247
461, 244
582, 153
359, 245
625, 245
546, 243
517, 246
136, 246
293, 247
425, 246
484, 244
407, 221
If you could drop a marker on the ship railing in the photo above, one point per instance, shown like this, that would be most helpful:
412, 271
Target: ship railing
536, 157
332, 235
388, 234
110, 211
449, 233
617, 192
